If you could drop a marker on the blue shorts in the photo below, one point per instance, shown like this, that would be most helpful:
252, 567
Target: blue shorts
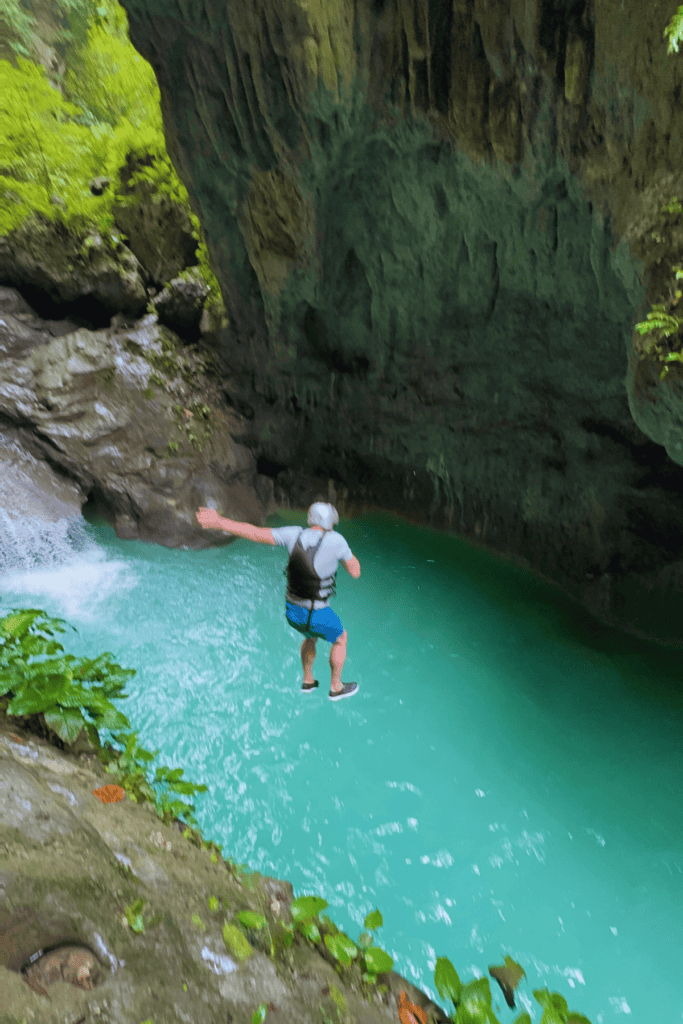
325, 624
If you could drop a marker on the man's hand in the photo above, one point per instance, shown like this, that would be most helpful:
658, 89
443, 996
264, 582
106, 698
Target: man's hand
209, 518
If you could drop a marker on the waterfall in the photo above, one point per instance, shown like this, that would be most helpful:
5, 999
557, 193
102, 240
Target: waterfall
29, 542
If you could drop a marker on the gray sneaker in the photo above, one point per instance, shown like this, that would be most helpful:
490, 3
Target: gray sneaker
347, 690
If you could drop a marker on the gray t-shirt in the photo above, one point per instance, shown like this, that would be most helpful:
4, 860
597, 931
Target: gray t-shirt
333, 548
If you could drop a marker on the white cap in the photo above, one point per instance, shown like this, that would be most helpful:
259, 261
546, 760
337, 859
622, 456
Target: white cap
321, 513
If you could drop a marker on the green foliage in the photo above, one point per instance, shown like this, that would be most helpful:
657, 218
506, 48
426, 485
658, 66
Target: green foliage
42, 152
674, 30
472, 1002
134, 915
673, 206
372, 960
555, 1009
659, 320
77, 693
17, 26
109, 79
305, 908
15, 21
373, 920
475, 1004
661, 323
446, 979
236, 943
342, 948
259, 1014
57, 687
250, 919
110, 116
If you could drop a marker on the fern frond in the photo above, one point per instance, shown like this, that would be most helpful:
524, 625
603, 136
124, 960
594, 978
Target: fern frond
674, 30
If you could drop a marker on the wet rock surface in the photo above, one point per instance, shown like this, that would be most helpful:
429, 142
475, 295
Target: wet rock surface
125, 416
69, 865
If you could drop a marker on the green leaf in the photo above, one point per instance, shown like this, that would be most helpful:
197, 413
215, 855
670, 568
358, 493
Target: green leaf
446, 979
213, 903
250, 919
553, 1003
305, 908
377, 961
134, 915
558, 1002
310, 931
373, 920
32, 699
18, 624
337, 998
341, 947
236, 943
67, 724
259, 1014
575, 1018
112, 719
476, 993
674, 30
523, 1018
198, 923
552, 1016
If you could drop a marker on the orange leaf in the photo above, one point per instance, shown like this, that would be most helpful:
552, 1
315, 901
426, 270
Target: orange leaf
409, 1013
109, 794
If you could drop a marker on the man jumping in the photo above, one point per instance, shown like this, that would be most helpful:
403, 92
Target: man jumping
311, 571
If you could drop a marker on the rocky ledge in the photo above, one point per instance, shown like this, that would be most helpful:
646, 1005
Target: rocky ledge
70, 865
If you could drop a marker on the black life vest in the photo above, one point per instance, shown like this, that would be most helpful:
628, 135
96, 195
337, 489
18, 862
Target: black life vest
302, 579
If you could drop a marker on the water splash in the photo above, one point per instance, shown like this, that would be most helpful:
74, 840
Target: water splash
30, 541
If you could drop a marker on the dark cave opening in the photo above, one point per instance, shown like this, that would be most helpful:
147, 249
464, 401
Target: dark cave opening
85, 311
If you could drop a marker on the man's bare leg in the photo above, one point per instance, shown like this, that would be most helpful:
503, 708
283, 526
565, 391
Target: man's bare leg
337, 659
307, 659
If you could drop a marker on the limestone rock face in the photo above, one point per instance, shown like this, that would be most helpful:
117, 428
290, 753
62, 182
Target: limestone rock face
430, 223
44, 255
124, 417
158, 229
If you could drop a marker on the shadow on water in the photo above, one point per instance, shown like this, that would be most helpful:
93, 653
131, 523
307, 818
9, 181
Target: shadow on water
648, 671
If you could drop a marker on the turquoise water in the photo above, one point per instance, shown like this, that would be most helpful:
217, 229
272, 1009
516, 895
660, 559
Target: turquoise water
508, 779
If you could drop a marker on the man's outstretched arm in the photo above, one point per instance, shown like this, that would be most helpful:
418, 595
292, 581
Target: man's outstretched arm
210, 520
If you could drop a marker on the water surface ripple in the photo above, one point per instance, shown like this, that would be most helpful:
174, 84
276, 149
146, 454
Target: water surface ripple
507, 780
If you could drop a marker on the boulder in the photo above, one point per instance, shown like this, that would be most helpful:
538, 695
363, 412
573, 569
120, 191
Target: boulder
127, 417
180, 304
158, 227
45, 256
